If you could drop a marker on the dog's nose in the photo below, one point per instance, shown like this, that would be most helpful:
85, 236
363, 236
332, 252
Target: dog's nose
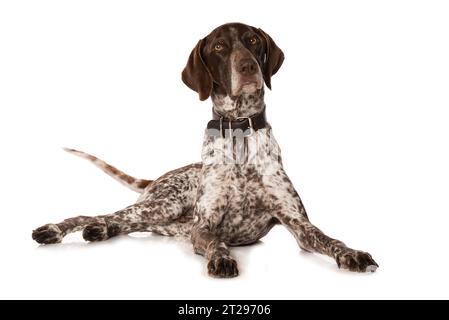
247, 67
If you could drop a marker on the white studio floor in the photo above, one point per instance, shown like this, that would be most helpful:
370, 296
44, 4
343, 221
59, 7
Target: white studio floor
144, 266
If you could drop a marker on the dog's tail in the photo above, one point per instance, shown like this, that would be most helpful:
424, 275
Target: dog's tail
135, 184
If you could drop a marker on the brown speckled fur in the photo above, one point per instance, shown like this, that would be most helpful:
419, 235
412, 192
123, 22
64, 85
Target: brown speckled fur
240, 190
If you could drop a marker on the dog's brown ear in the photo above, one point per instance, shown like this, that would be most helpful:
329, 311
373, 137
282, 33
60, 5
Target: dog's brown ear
273, 58
196, 75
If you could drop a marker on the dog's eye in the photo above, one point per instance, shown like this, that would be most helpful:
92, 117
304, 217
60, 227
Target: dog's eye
253, 40
218, 47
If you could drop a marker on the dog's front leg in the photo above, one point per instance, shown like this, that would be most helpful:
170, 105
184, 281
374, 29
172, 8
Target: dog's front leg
209, 211
292, 214
220, 263
312, 239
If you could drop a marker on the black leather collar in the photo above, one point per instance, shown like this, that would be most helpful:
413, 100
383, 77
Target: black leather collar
245, 124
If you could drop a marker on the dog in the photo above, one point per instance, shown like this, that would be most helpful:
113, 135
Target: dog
240, 190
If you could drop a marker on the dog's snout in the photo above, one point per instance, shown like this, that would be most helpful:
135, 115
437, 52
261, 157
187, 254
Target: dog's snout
247, 67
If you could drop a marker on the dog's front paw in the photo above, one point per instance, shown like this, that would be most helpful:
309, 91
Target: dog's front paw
222, 267
48, 234
357, 261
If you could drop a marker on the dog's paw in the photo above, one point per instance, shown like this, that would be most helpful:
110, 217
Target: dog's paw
357, 261
95, 232
222, 267
48, 234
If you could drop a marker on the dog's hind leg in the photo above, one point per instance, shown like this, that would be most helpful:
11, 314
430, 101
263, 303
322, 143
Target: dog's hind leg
54, 233
165, 207
177, 228
143, 216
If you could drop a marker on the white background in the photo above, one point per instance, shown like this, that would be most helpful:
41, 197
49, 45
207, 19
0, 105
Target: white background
359, 108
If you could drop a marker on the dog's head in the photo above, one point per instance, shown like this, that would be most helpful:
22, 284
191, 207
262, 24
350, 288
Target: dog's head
234, 59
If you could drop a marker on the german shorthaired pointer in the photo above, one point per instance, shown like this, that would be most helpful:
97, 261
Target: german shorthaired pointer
239, 191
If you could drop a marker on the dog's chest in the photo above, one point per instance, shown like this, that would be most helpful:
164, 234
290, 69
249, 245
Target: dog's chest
245, 216
234, 182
